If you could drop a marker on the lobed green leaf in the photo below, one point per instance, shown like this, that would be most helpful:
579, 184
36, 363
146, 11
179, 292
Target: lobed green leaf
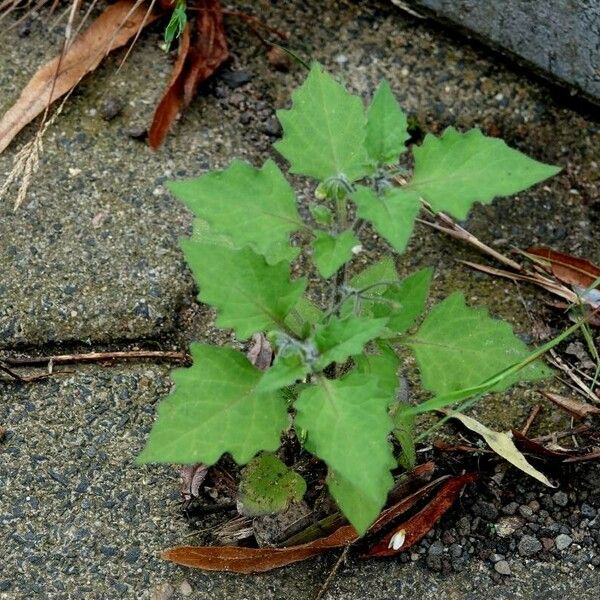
346, 424
459, 347
384, 366
386, 127
249, 294
392, 213
405, 301
456, 170
215, 409
330, 252
252, 207
338, 339
324, 131
286, 370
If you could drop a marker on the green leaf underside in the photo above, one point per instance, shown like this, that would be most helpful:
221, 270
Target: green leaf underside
286, 370
347, 426
249, 294
331, 252
386, 127
392, 214
305, 311
339, 339
321, 214
252, 207
384, 366
407, 301
458, 347
456, 170
268, 486
384, 272
215, 409
324, 132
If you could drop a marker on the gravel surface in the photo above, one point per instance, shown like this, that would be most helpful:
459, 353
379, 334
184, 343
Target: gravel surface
92, 258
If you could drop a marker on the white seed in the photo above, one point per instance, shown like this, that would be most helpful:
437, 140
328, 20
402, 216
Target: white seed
397, 540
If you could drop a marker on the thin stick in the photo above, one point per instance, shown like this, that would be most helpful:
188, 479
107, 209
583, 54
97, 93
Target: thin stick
535, 411
253, 21
21, 378
454, 230
323, 589
10, 372
62, 359
562, 434
557, 361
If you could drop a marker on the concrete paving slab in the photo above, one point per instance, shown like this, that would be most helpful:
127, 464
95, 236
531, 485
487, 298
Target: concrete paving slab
92, 255
79, 520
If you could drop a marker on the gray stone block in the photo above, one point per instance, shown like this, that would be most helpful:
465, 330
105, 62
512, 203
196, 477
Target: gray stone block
561, 37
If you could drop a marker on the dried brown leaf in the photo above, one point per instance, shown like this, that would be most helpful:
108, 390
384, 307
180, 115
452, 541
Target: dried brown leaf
201, 52
502, 445
192, 477
416, 528
260, 353
111, 30
565, 267
576, 408
257, 560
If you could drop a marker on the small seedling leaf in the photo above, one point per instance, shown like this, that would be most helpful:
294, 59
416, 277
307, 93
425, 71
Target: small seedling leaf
268, 486
392, 213
338, 339
286, 370
330, 252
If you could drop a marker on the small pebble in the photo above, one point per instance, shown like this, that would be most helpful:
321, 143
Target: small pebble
235, 79
508, 525
162, 591
502, 567
563, 541
24, 28
185, 589
436, 549
110, 108
587, 511
525, 511
547, 543
528, 546
133, 554
560, 498
137, 132
278, 59
272, 127
510, 509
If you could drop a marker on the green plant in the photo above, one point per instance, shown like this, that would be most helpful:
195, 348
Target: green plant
340, 361
176, 23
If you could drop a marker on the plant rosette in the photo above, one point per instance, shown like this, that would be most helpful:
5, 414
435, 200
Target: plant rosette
334, 380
